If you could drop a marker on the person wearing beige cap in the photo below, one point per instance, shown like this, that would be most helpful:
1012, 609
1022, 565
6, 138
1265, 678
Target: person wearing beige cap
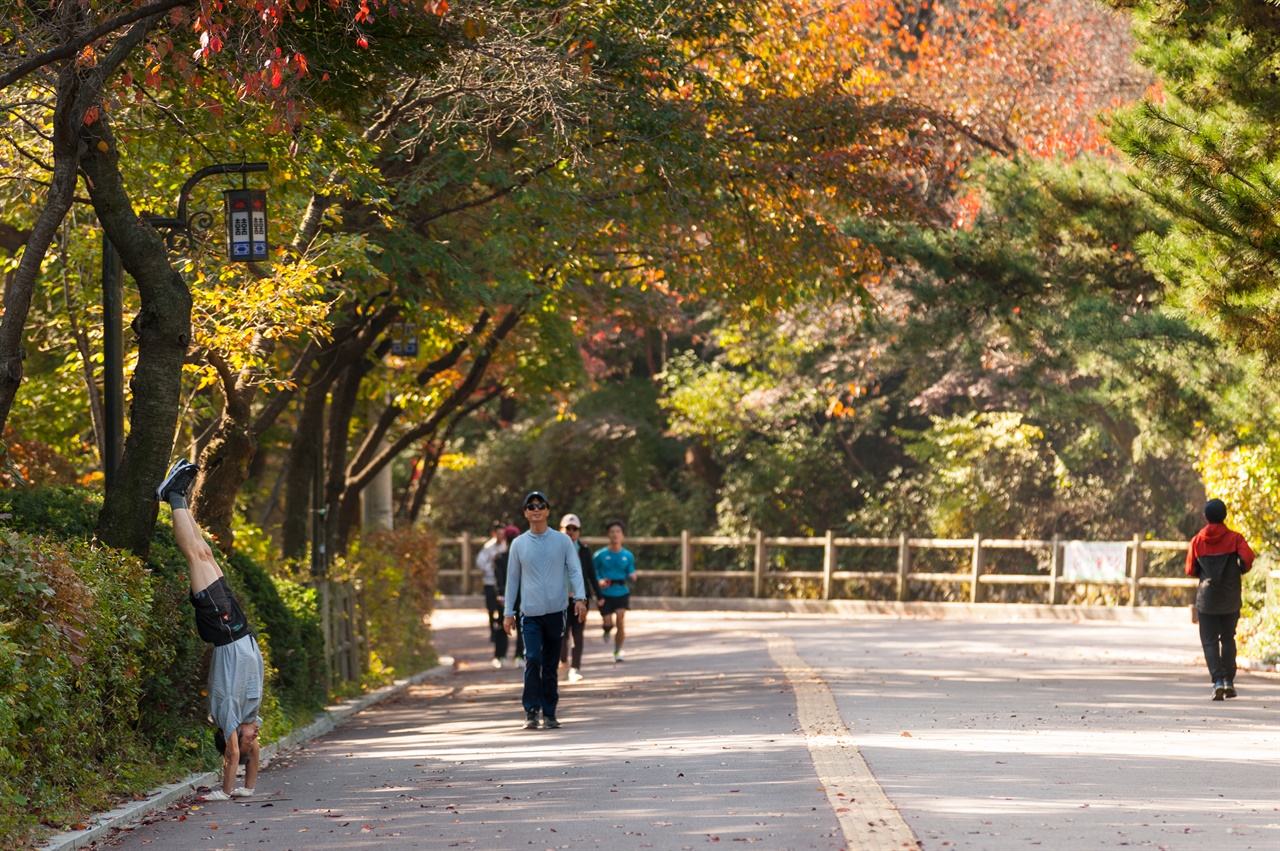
571, 526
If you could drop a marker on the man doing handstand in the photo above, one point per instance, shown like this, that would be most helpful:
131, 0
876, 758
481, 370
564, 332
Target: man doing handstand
236, 674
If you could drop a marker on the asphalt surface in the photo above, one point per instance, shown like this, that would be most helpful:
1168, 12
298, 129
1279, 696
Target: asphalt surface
787, 732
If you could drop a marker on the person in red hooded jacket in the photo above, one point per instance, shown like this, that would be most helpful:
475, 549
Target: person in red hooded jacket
1218, 557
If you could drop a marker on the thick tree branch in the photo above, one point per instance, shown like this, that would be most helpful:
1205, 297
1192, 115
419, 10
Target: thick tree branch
71, 48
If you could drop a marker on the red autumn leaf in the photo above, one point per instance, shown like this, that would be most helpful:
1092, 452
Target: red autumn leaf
363, 42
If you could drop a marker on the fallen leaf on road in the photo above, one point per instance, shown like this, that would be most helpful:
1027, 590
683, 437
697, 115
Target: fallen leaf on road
906, 734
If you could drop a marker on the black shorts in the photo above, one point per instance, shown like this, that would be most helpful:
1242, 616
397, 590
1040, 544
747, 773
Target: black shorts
609, 605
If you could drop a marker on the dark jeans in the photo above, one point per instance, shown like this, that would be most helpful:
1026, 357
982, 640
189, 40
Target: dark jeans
496, 633
542, 637
574, 630
1218, 636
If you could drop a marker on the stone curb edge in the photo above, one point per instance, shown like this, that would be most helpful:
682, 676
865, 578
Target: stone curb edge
323, 722
996, 612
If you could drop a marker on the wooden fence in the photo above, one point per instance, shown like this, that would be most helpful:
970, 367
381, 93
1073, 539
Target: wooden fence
903, 568
346, 634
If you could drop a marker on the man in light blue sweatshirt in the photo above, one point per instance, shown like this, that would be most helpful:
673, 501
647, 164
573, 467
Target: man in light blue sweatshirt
542, 566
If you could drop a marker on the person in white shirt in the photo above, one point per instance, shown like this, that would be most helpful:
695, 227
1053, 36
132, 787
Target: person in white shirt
496, 544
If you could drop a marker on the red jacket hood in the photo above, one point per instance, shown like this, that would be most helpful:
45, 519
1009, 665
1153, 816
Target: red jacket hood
1216, 533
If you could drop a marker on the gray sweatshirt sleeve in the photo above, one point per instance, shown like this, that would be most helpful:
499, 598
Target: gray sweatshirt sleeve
575, 570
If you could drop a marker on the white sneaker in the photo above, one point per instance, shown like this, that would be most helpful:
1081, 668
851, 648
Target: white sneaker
519, 661
242, 792
574, 675
497, 663
217, 795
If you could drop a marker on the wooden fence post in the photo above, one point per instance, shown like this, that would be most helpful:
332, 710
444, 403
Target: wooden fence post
1139, 568
758, 584
974, 594
362, 630
828, 563
466, 563
1055, 572
904, 565
326, 626
686, 562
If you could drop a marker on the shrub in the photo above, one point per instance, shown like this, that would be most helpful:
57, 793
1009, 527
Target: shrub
398, 573
73, 651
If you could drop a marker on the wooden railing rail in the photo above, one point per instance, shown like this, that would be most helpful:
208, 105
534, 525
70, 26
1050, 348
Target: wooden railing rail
754, 564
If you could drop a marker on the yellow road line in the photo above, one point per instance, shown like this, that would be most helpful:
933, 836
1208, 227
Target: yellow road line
870, 821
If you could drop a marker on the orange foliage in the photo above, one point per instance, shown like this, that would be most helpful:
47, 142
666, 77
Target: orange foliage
30, 462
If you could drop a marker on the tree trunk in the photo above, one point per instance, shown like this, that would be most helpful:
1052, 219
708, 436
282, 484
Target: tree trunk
225, 460
18, 290
163, 330
304, 450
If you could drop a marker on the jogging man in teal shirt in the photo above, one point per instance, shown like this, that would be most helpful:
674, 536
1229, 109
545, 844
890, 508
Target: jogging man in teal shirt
615, 570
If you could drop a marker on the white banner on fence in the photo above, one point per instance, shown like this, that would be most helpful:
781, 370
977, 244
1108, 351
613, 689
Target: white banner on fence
1087, 561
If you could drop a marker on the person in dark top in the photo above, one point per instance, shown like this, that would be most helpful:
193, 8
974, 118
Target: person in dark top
236, 674
571, 526
500, 580
1218, 557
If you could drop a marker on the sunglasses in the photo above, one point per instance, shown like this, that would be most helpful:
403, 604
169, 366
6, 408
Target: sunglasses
571, 528
536, 506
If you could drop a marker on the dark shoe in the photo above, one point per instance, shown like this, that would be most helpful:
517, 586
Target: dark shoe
550, 722
177, 480
1231, 689
531, 720
1219, 690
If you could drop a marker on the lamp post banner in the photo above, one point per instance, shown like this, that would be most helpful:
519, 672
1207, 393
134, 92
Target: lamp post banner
246, 214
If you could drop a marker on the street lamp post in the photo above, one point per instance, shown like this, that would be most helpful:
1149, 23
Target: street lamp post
113, 297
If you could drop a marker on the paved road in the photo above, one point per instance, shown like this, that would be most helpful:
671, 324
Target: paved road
790, 732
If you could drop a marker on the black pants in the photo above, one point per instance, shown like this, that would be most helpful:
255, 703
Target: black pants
543, 635
574, 630
496, 634
1218, 637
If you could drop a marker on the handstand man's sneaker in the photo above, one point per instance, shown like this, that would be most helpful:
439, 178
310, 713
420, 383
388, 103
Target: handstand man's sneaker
1219, 690
177, 480
1231, 689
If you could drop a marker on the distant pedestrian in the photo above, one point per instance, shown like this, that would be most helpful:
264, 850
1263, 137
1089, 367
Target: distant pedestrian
542, 568
495, 546
572, 526
236, 673
1219, 557
615, 573
500, 576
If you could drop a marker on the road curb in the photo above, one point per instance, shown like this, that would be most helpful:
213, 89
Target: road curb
323, 722
996, 612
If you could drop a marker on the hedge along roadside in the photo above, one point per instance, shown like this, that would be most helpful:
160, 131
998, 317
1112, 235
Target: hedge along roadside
102, 674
